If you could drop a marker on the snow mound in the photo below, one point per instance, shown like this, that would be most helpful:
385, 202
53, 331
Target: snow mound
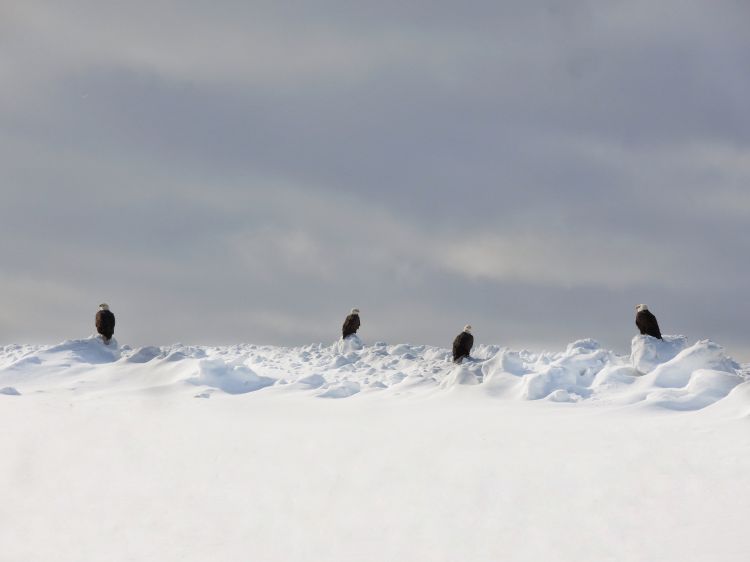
232, 379
461, 375
695, 378
144, 354
344, 389
615, 375
649, 352
560, 395
573, 372
10, 391
312, 381
349, 344
703, 355
90, 350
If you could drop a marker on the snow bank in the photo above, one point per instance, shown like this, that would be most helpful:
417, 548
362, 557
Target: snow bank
703, 355
695, 378
667, 373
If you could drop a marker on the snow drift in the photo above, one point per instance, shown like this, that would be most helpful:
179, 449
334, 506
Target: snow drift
668, 373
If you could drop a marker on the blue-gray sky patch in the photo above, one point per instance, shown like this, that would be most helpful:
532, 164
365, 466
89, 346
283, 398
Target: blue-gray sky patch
249, 171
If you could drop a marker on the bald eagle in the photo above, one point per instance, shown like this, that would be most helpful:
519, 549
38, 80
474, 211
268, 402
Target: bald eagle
105, 322
351, 324
646, 321
462, 344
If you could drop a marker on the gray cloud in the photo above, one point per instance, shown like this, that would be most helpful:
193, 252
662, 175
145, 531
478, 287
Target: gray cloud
251, 170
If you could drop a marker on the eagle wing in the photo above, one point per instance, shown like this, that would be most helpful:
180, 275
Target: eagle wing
462, 345
647, 324
351, 325
105, 323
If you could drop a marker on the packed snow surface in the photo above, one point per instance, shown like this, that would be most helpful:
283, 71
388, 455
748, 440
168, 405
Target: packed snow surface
373, 452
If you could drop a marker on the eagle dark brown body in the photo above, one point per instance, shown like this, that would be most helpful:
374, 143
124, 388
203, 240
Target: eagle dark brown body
462, 346
351, 325
105, 324
647, 323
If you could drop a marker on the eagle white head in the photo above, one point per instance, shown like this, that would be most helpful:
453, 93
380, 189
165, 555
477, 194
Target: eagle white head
355, 311
467, 328
641, 307
104, 306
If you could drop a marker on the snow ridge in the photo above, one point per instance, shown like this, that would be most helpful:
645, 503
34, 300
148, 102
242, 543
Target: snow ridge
668, 374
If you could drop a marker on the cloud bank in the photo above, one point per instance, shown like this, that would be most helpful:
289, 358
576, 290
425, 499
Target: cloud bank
249, 171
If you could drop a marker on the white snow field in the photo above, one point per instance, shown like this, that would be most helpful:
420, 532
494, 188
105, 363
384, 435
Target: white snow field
355, 452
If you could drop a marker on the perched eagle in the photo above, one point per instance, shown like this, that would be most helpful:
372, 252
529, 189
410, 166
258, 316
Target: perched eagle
105, 322
351, 324
646, 321
462, 344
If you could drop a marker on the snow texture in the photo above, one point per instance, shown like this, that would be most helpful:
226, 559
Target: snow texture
666, 373
649, 352
352, 451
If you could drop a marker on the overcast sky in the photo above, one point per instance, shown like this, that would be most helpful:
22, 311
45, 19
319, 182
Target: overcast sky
247, 171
